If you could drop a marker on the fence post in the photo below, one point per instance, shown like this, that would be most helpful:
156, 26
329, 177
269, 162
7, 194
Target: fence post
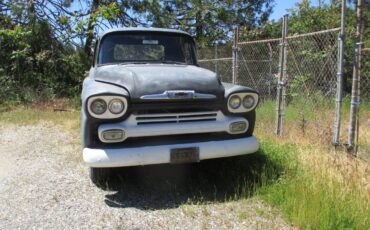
270, 68
284, 77
355, 97
235, 55
340, 56
216, 61
281, 86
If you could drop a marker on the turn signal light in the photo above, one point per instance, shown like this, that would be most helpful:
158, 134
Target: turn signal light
113, 135
238, 127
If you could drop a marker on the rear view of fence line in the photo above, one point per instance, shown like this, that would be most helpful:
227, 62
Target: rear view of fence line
297, 77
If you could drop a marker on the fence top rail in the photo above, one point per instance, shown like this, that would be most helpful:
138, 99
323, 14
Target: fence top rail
259, 41
290, 37
216, 59
314, 33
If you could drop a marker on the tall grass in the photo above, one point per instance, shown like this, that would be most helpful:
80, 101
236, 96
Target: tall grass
317, 189
26, 115
312, 122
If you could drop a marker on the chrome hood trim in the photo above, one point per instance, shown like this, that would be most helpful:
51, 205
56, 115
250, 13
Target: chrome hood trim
178, 95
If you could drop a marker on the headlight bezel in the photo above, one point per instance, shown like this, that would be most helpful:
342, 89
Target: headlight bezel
98, 100
107, 114
244, 99
111, 104
236, 97
241, 108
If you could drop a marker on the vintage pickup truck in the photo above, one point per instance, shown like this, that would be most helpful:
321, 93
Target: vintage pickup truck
146, 101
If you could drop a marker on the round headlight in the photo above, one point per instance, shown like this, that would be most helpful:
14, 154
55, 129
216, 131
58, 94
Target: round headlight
116, 106
235, 102
98, 106
248, 101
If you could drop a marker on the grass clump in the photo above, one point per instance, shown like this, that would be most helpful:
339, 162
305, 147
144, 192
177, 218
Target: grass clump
318, 190
310, 203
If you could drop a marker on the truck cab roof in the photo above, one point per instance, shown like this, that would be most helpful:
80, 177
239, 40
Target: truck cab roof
144, 29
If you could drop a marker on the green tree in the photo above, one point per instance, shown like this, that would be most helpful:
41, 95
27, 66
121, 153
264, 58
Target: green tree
209, 21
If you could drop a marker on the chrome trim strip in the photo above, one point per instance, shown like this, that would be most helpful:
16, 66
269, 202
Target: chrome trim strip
175, 117
178, 95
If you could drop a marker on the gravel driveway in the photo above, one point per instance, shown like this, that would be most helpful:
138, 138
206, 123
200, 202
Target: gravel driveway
44, 184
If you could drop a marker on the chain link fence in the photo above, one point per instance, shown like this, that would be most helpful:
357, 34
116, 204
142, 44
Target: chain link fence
311, 83
312, 66
310, 79
365, 74
364, 113
218, 60
259, 65
309, 71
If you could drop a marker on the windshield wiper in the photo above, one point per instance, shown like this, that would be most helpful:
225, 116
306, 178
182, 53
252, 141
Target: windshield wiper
143, 62
132, 62
173, 62
122, 63
108, 63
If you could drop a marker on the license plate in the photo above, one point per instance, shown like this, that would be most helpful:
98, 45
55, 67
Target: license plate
184, 155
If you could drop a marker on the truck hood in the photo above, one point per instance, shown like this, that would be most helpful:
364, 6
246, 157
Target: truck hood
149, 79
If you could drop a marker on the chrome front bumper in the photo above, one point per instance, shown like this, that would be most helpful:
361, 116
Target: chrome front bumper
121, 157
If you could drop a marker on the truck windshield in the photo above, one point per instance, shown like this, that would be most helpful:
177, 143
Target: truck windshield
144, 47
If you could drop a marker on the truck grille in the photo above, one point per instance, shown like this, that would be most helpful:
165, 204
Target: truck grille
142, 119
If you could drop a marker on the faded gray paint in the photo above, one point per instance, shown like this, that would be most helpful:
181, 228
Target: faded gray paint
146, 79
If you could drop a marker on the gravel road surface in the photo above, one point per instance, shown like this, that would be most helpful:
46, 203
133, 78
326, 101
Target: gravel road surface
44, 184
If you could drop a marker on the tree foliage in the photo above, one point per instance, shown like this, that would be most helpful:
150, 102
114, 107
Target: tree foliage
209, 21
46, 44
34, 66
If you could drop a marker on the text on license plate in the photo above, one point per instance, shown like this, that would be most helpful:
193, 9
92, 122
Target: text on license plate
184, 155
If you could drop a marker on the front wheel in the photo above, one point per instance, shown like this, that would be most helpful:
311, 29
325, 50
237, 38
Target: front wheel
99, 176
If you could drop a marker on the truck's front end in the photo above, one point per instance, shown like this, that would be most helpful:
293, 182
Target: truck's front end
146, 101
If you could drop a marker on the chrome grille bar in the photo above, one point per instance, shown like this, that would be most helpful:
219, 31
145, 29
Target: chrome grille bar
175, 117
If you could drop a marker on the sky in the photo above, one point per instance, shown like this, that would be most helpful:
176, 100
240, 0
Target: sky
281, 7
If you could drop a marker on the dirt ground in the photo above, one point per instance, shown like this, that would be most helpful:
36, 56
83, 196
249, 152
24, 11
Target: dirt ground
44, 184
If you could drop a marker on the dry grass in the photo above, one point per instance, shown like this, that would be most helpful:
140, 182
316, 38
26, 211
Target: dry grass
57, 112
322, 191
310, 125
322, 188
352, 174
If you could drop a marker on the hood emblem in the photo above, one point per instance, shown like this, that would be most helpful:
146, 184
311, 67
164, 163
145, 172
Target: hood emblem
178, 95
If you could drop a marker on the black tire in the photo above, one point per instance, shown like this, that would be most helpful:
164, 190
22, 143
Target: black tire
99, 176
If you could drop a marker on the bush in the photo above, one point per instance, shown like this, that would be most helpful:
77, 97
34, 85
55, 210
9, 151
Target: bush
35, 66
